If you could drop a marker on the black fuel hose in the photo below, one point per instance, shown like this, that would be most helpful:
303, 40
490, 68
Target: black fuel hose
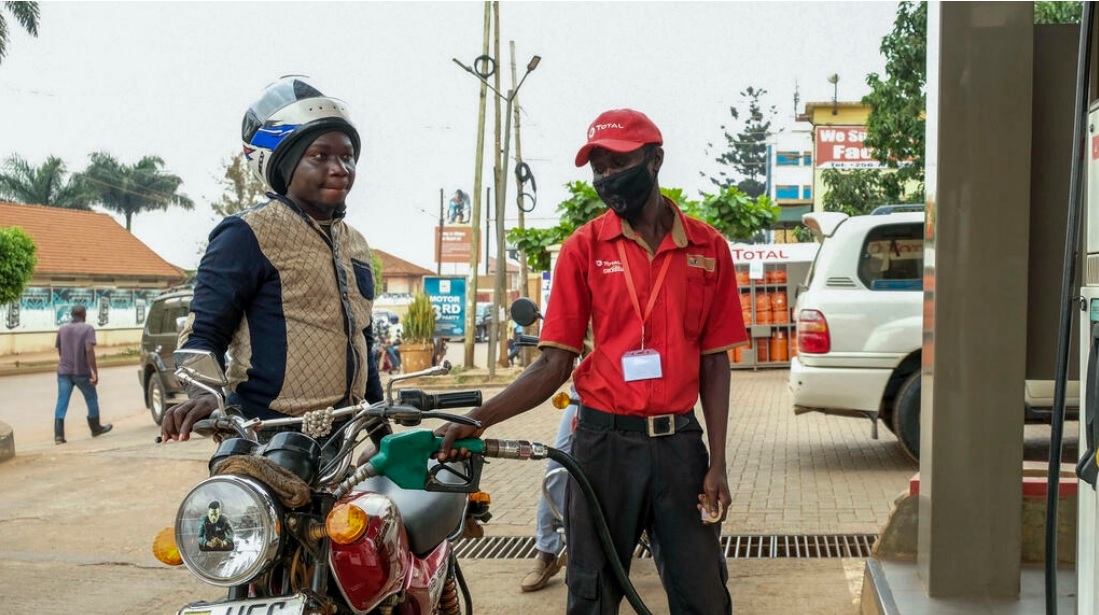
1068, 276
604, 532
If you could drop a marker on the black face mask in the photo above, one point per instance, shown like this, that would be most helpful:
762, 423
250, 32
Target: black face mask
627, 191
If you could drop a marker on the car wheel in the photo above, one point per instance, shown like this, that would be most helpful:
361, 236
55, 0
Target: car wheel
155, 398
906, 416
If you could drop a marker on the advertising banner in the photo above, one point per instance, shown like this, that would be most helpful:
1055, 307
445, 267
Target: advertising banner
453, 243
448, 297
842, 147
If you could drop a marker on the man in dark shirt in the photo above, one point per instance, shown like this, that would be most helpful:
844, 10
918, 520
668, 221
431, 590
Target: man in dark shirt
76, 368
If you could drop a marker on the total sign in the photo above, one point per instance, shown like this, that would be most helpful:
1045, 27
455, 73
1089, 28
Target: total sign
842, 147
448, 298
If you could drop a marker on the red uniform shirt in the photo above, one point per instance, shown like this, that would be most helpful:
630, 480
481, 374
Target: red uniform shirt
696, 312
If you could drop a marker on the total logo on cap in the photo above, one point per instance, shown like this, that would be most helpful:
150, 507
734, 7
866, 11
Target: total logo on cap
619, 130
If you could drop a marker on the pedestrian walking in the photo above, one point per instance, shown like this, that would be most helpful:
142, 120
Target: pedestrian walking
76, 368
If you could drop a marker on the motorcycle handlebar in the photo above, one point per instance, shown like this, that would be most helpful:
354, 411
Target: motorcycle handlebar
441, 401
527, 340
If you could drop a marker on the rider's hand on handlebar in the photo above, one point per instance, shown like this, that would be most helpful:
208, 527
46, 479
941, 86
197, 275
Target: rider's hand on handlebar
178, 421
452, 432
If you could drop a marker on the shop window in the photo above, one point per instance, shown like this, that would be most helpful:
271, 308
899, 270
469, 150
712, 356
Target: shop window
807, 159
806, 192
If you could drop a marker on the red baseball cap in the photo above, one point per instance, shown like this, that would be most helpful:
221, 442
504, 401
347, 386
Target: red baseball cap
619, 130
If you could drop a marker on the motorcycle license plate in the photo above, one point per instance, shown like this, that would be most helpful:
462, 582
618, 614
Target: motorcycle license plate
288, 605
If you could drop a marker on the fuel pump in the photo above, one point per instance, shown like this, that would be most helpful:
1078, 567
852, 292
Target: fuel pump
1087, 549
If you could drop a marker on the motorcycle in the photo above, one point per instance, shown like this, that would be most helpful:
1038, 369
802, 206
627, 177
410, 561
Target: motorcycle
289, 526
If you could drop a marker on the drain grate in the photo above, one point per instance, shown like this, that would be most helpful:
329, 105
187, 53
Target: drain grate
735, 547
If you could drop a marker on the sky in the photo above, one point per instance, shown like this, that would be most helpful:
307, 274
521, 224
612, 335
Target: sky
173, 79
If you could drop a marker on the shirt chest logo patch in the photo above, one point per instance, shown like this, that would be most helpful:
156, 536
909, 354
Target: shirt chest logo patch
697, 260
609, 266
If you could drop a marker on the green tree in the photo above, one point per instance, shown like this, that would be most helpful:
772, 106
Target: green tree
1057, 12
241, 188
856, 192
44, 185
583, 205
378, 278
17, 262
26, 13
895, 129
734, 214
746, 152
135, 189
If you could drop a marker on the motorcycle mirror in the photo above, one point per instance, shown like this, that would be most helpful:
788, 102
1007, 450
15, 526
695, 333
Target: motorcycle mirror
200, 365
524, 312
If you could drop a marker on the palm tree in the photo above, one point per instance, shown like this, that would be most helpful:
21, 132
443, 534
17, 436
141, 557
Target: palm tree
26, 13
44, 185
130, 190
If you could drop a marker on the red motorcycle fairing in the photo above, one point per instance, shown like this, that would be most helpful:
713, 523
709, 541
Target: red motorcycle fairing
380, 563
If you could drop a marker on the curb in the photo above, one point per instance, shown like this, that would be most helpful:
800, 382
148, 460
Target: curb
42, 368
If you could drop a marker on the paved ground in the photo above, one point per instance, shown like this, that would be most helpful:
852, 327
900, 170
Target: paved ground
76, 521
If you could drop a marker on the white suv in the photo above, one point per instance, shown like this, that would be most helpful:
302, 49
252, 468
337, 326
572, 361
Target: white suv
860, 325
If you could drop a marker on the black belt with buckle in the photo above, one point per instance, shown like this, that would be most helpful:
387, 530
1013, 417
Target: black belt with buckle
652, 426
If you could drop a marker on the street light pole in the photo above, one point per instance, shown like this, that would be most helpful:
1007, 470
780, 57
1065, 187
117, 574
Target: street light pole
501, 197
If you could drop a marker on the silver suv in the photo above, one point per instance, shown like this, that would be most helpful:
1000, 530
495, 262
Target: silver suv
860, 325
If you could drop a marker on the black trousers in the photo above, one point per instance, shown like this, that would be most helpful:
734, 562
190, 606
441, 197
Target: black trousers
644, 484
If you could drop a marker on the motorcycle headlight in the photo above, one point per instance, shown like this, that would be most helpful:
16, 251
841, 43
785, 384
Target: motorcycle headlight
227, 530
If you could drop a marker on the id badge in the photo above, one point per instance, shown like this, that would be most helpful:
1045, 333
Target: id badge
641, 365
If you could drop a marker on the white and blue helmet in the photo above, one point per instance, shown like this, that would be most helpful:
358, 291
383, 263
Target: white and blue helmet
290, 112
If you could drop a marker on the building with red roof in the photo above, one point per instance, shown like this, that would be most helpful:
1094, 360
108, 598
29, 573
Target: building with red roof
85, 258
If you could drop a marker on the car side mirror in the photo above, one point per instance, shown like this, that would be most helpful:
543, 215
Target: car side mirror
201, 366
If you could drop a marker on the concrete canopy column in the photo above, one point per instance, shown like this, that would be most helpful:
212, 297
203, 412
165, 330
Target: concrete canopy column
980, 58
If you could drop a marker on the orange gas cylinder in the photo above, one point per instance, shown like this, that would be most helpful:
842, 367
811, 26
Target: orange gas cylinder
779, 276
778, 300
778, 345
742, 279
793, 345
780, 317
763, 302
738, 354
763, 317
762, 350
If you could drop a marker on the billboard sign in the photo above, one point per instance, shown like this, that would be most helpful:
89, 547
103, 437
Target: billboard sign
453, 244
843, 147
448, 298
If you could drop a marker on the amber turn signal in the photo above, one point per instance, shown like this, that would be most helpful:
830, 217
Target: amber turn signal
561, 400
480, 497
346, 523
165, 549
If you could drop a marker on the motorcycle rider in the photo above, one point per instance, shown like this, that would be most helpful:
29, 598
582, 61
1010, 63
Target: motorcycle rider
287, 286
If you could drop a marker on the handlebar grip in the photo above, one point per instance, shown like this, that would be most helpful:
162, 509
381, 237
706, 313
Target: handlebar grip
527, 340
458, 399
442, 401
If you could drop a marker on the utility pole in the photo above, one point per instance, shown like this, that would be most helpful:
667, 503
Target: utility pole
523, 273
498, 290
488, 229
475, 221
439, 240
